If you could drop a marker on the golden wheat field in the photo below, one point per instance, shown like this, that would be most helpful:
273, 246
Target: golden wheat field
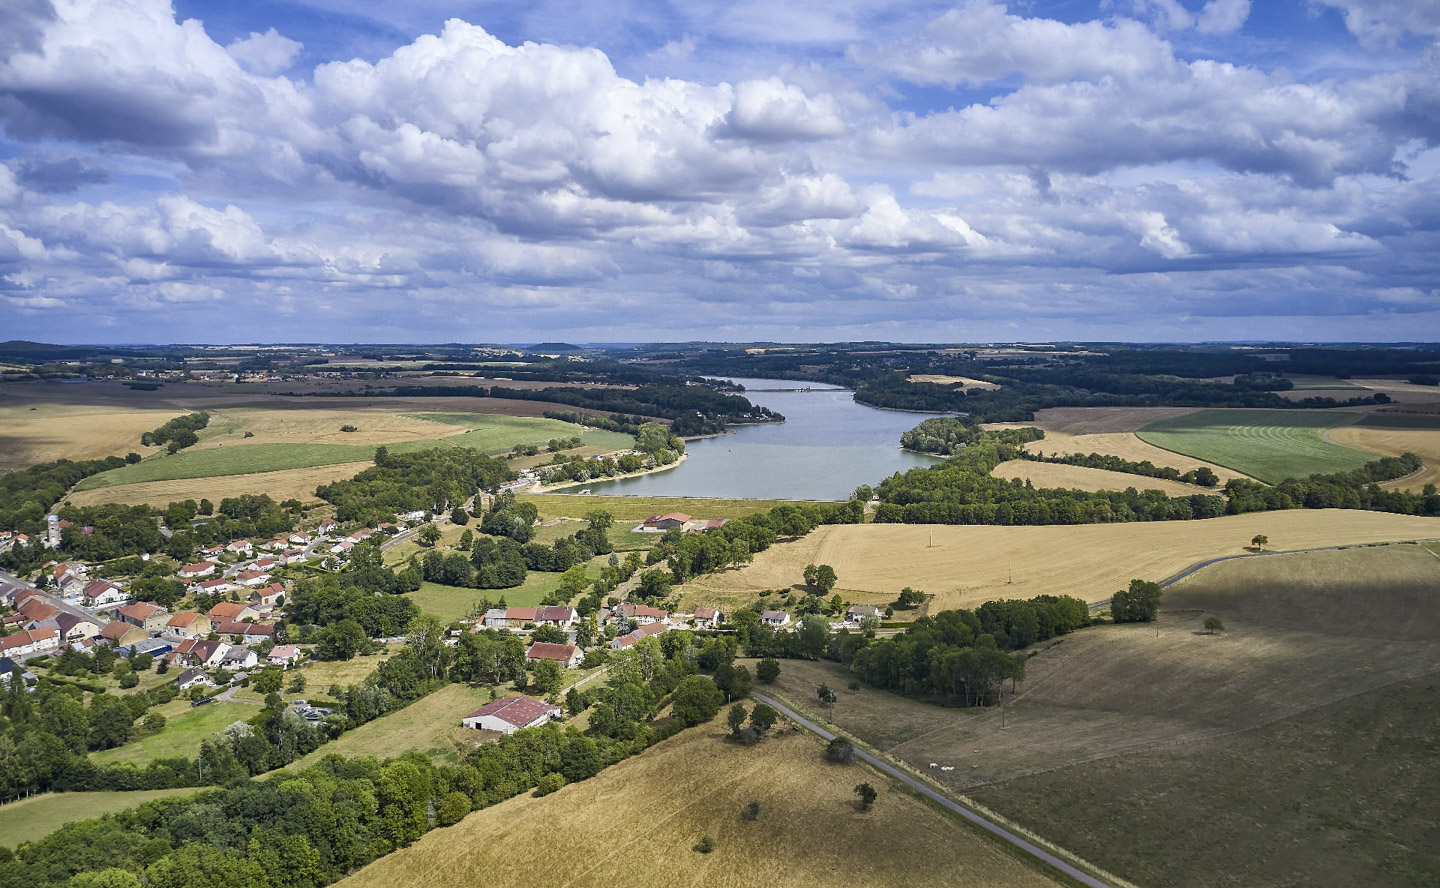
636, 823
64, 431
1424, 443
282, 485
964, 566
318, 426
962, 381
1126, 446
1085, 478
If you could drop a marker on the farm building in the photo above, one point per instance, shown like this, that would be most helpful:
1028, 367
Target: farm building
661, 523
146, 615
227, 611
567, 655
188, 624
510, 715
119, 632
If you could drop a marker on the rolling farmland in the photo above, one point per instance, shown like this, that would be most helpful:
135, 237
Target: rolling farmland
1270, 445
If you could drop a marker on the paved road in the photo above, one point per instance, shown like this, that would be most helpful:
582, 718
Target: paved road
228, 696
1206, 563
999, 831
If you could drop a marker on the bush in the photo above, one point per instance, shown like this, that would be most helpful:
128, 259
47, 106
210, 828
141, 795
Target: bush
129, 680
348, 428
453, 807
549, 783
752, 811
705, 845
767, 670
839, 751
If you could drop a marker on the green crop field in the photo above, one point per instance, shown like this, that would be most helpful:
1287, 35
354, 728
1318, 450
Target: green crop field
35, 818
1400, 421
1308, 383
184, 730
1270, 445
488, 433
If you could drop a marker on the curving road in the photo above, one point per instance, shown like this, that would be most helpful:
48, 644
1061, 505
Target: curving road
995, 829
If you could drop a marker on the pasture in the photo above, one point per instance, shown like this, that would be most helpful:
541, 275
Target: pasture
282, 485
27, 820
457, 602
430, 725
1270, 445
1085, 478
1301, 739
185, 727
485, 432
964, 566
635, 825
1122, 444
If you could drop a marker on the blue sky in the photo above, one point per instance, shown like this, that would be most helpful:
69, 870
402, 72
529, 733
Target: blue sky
348, 170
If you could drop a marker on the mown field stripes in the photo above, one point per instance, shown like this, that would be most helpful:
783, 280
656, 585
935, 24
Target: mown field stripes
1270, 445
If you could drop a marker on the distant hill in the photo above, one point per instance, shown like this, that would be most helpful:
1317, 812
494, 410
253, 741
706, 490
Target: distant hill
554, 348
42, 351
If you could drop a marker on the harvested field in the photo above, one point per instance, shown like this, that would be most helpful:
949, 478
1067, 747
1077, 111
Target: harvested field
317, 426
1303, 734
962, 381
1424, 443
1100, 420
1122, 444
286, 484
968, 565
1270, 445
631, 510
61, 431
1085, 478
635, 825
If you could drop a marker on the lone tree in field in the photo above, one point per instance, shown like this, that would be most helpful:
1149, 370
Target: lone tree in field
839, 751
1138, 604
736, 718
867, 795
429, 534
911, 597
1260, 541
767, 670
820, 576
1213, 625
763, 718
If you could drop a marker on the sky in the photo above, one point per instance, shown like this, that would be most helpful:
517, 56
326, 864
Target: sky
641, 170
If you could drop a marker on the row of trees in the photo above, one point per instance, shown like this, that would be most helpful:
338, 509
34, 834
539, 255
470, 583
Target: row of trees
692, 554
178, 433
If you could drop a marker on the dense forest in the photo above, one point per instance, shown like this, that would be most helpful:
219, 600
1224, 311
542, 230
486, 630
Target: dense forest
426, 480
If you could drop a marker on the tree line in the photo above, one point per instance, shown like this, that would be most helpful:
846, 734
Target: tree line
426, 480
178, 433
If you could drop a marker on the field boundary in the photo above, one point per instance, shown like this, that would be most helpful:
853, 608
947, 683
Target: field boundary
1050, 855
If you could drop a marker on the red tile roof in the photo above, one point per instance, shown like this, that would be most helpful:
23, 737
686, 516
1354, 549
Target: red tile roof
545, 650
518, 711
523, 614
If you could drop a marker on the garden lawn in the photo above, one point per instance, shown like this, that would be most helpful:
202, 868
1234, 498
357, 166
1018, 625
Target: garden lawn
186, 726
29, 820
1270, 445
430, 725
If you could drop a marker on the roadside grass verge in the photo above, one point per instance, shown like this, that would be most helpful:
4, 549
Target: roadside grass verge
1270, 445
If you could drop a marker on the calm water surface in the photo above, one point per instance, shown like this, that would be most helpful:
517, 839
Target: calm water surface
828, 446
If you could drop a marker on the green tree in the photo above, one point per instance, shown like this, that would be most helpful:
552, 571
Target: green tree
340, 641
1260, 541
452, 808
825, 578
696, 700
736, 718
767, 670
911, 597
763, 717
867, 795
840, 751
268, 681
545, 675
459, 516
1140, 603
467, 539
1213, 625
429, 535
206, 507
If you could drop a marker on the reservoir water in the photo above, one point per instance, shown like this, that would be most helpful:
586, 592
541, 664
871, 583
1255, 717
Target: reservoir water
827, 446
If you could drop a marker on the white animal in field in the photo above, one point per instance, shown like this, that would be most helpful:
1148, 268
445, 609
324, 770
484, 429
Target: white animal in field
951, 768
934, 764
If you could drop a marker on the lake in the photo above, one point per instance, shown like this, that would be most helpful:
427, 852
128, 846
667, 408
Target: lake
827, 446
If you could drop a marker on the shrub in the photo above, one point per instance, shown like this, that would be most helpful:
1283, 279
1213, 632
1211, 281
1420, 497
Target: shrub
705, 845
549, 783
348, 428
453, 807
840, 751
752, 811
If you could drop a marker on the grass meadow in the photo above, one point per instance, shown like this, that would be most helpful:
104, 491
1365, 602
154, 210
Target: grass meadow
635, 824
430, 725
185, 727
1270, 445
34, 818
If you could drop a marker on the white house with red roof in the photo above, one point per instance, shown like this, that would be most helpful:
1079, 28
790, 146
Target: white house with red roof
326, 527
267, 596
240, 547
284, 655
30, 641
640, 614
198, 569
217, 586
629, 639
706, 617
100, 593
252, 579
558, 615
510, 715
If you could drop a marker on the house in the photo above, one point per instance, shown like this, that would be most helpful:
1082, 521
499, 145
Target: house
73, 628
706, 617
246, 631
35, 609
661, 523
217, 586
559, 616
198, 569
343, 547
30, 641
7, 669
858, 612
300, 538
198, 652
213, 552
775, 619
188, 624
147, 615
293, 556
279, 545
284, 655
265, 564
494, 618
100, 593
266, 596
361, 535
155, 647
707, 526
510, 715
119, 632
643, 632
640, 614
252, 579
229, 612
193, 678
240, 547
567, 655
69, 578
326, 527
515, 617
238, 657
